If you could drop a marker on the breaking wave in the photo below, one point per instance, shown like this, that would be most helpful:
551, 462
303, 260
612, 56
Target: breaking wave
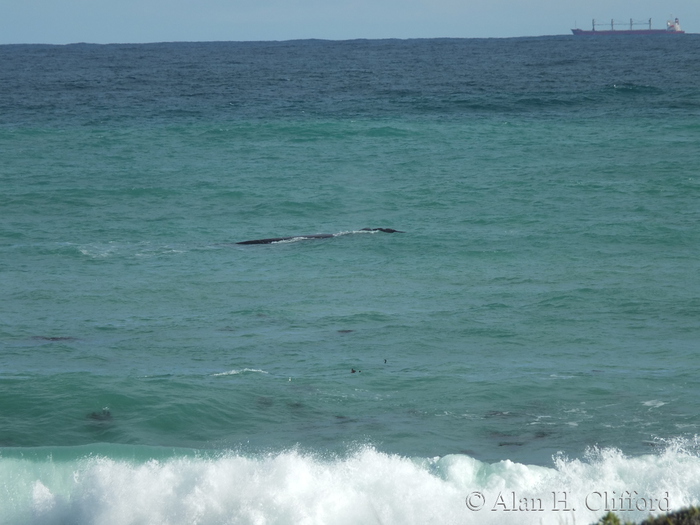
364, 487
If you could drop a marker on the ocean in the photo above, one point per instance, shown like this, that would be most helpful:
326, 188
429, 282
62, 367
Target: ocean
523, 350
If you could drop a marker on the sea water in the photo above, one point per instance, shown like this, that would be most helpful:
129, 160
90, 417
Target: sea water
526, 352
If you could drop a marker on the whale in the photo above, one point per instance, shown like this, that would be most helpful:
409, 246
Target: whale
278, 239
385, 230
317, 236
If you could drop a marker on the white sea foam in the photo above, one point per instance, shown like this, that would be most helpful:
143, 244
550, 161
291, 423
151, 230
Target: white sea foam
364, 488
98, 251
291, 239
242, 371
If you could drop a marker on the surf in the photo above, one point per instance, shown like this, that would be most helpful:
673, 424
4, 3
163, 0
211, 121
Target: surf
140, 485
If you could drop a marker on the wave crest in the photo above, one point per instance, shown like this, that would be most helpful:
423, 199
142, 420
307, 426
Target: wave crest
365, 487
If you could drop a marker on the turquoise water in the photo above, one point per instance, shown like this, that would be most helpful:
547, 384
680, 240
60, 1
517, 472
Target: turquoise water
534, 330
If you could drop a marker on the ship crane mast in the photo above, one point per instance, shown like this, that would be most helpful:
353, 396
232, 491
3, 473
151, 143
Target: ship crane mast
612, 24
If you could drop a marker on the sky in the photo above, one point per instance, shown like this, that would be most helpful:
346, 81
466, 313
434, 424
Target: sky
139, 21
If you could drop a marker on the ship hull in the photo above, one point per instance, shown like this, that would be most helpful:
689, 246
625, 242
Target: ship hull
581, 32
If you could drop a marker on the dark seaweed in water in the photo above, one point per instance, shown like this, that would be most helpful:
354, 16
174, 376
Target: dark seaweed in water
103, 415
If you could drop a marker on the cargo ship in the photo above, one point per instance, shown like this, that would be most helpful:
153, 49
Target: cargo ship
673, 27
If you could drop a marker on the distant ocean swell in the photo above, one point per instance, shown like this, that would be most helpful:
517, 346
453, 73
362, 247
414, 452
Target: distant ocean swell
365, 487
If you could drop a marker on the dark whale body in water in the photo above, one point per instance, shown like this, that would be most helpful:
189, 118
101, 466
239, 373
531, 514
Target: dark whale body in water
278, 239
318, 236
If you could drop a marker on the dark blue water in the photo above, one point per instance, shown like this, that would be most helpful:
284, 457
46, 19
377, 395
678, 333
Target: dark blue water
167, 84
